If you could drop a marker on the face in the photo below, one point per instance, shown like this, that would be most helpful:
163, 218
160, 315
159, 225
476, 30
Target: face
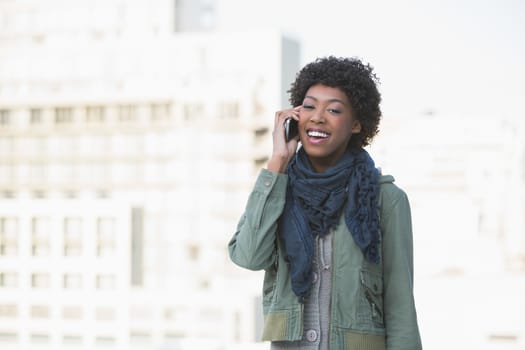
326, 124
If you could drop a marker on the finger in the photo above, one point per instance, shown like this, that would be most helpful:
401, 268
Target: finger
296, 111
285, 115
280, 117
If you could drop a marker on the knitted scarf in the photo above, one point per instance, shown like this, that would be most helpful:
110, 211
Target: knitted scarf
314, 203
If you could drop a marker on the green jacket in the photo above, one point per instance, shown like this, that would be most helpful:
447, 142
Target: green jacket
372, 305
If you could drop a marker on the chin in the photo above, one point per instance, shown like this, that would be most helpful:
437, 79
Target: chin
314, 153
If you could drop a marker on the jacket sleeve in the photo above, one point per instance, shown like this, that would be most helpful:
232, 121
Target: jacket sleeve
253, 244
402, 332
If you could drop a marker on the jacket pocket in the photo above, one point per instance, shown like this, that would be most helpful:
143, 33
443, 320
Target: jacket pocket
370, 307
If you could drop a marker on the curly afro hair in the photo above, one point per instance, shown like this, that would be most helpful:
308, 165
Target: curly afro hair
356, 79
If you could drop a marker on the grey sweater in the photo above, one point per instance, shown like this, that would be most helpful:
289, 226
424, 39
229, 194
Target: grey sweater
317, 306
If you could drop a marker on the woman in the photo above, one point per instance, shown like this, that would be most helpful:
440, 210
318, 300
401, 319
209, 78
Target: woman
333, 235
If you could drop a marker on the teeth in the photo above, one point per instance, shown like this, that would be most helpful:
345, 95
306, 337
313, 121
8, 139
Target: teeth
317, 134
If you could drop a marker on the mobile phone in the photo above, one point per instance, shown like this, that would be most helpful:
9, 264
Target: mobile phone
290, 129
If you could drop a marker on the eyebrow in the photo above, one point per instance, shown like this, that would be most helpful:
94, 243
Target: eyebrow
330, 100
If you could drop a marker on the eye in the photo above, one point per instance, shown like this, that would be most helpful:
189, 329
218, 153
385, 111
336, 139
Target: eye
307, 106
335, 111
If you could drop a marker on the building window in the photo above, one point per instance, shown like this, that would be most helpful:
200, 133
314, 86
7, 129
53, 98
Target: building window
35, 116
72, 339
260, 134
228, 110
170, 314
105, 236
7, 145
100, 144
507, 338
7, 194
260, 161
8, 311
63, 115
70, 194
8, 236
193, 252
104, 341
40, 245
140, 312
139, 337
7, 171
72, 237
37, 172
38, 146
72, 281
174, 335
65, 145
8, 337
95, 114
8, 280
160, 111
39, 311
193, 111
137, 246
105, 314
37, 338
4, 118
40, 280
39, 194
127, 113
131, 144
72, 312
105, 282
102, 193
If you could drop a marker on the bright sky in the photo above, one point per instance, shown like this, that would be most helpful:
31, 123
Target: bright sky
464, 57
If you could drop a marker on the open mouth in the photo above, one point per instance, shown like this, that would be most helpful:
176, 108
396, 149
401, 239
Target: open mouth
317, 134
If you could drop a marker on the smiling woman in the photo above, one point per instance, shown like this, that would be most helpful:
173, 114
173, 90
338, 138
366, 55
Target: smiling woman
326, 125
333, 235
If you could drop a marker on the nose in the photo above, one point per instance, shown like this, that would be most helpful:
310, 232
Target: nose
317, 116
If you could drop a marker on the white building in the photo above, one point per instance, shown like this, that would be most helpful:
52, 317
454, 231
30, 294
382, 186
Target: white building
470, 170
127, 152
465, 178
126, 155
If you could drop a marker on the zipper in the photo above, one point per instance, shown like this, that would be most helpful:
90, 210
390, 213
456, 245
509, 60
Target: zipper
376, 311
324, 265
332, 292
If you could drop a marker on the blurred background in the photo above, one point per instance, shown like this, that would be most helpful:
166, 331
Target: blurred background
132, 131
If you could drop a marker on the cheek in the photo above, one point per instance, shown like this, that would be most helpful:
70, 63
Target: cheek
345, 125
303, 118
349, 125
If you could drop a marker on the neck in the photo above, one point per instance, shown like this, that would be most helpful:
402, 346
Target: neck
320, 165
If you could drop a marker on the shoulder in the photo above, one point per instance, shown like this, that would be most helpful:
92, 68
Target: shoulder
388, 190
390, 195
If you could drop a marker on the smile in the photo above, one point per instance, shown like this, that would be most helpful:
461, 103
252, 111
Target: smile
317, 134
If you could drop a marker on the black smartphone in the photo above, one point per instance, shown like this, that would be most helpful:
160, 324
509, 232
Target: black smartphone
290, 129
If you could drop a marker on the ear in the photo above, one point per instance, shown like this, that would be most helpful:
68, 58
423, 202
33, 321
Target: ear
356, 127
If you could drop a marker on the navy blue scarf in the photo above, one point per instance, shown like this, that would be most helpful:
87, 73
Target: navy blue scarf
314, 203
